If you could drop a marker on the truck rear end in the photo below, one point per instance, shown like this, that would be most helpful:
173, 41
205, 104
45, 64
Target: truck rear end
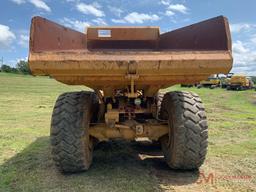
126, 67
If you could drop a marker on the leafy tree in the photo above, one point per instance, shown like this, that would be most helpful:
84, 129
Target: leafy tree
254, 79
23, 67
8, 69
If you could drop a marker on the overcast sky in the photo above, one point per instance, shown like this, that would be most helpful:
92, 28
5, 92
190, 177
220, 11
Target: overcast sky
15, 17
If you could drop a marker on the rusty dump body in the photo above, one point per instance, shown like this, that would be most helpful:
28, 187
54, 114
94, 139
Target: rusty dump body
106, 58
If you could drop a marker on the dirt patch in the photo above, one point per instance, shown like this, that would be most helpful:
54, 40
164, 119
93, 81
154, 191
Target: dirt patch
210, 177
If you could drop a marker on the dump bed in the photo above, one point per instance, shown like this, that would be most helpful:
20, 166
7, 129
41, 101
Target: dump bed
104, 57
239, 79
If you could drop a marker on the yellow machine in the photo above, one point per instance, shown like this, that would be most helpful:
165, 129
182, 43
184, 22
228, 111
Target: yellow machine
240, 82
224, 80
212, 82
126, 67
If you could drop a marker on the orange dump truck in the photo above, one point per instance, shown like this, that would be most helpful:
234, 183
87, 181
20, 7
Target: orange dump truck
126, 67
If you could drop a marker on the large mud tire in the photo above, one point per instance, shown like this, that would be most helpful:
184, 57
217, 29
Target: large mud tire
72, 146
186, 145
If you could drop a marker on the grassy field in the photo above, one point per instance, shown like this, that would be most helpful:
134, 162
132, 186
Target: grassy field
26, 104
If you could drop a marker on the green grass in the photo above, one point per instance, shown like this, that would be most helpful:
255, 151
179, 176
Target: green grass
26, 104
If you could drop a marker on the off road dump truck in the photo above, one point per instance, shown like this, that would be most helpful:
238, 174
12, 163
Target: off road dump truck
239, 83
126, 67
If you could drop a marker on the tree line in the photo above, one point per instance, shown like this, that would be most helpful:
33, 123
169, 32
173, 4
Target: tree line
21, 67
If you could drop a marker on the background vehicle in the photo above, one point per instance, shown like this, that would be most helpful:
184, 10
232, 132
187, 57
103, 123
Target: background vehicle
240, 82
126, 67
212, 82
224, 81
187, 85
